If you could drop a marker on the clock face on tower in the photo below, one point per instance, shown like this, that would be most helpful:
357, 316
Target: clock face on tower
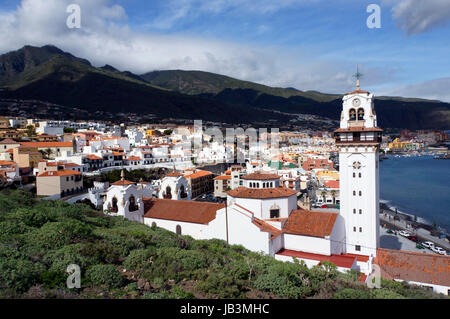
356, 102
356, 165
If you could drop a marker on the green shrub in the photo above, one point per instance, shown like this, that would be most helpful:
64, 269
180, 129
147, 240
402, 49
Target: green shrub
58, 260
51, 279
222, 285
107, 275
55, 235
101, 251
349, 293
139, 259
385, 294
19, 274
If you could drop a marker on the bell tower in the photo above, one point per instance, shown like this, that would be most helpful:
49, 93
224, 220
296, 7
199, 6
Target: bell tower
358, 141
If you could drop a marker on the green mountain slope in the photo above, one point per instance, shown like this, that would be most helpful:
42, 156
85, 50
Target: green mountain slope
393, 112
49, 74
59, 78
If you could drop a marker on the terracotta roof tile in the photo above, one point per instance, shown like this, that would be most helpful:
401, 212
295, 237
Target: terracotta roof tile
198, 174
338, 260
47, 144
261, 193
414, 266
260, 176
123, 183
331, 184
222, 177
65, 172
309, 223
267, 228
181, 210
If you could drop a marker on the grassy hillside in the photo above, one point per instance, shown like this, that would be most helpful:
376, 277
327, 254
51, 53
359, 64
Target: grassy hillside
123, 259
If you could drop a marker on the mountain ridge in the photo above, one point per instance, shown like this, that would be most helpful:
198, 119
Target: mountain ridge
50, 74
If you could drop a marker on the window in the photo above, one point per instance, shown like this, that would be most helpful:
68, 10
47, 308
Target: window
360, 193
354, 210
354, 175
360, 114
274, 213
359, 175
354, 193
358, 248
354, 229
133, 206
352, 115
178, 230
360, 211
360, 229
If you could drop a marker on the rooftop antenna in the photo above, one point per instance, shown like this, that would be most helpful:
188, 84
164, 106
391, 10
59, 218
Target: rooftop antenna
357, 75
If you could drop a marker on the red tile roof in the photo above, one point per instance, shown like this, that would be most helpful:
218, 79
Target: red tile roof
257, 193
174, 174
65, 172
274, 232
222, 177
357, 92
198, 174
260, 176
331, 184
47, 144
309, 223
414, 266
338, 260
360, 258
123, 183
181, 210
8, 141
133, 158
93, 157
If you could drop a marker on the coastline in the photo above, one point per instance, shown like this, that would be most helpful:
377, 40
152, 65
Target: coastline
392, 204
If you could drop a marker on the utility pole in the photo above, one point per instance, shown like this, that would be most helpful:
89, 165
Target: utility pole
226, 217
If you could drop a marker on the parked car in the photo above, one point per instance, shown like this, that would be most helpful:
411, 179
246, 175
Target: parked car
439, 250
428, 244
389, 231
404, 233
413, 238
419, 246
324, 206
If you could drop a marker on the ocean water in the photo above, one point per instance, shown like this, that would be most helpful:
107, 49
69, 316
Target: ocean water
417, 186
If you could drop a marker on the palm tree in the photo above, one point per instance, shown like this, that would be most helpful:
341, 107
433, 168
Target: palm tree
333, 194
324, 193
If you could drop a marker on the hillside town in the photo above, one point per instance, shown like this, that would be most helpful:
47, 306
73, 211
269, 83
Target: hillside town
292, 200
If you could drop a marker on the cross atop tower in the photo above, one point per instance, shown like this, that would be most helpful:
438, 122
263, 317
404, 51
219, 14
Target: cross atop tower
357, 75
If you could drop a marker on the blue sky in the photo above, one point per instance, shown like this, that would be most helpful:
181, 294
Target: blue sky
307, 44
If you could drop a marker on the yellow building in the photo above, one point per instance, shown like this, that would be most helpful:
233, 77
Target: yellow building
397, 145
149, 133
327, 174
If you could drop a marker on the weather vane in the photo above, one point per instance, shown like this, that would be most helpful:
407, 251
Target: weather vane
357, 75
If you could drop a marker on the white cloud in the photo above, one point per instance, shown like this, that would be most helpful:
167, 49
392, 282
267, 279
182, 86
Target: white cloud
418, 16
436, 89
175, 10
106, 38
